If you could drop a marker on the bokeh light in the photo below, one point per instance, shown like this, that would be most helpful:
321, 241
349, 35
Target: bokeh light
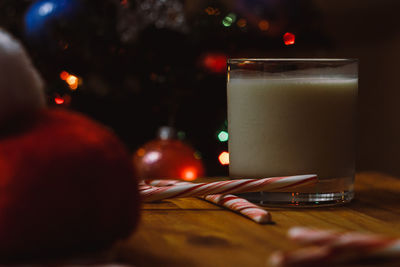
72, 81
223, 136
64, 75
241, 23
212, 11
197, 155
215, 62
46, 9
289, 38
59, 100
181, 135
152, 157
263, 25
224, 158
189, 174
229, 19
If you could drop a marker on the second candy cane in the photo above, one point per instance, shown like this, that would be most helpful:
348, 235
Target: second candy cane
232, 202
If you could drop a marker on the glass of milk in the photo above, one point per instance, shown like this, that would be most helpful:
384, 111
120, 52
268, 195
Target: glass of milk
290, 117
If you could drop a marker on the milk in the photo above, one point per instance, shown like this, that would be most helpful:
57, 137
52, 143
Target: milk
287, 126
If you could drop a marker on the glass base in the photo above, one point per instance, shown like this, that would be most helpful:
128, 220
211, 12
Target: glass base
326, 192
296, 199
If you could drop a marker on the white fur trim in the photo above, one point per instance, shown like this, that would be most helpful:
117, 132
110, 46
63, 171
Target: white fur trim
21, 87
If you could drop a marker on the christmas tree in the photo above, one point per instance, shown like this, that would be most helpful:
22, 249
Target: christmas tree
136, 65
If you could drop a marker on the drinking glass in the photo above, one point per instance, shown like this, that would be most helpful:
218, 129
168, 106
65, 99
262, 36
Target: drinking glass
290, 117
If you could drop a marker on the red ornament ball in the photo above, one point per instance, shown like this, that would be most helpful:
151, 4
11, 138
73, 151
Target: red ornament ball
167, 157
66, 186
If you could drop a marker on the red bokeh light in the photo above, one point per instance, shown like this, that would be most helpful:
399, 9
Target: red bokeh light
64, 75
215, 62
289, 38
189, 174
59, 100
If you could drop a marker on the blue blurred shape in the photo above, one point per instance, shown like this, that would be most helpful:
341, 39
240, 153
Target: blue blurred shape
43, 15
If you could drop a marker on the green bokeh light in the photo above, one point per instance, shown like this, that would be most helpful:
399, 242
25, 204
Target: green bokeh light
181, 135
229, 19
223, 136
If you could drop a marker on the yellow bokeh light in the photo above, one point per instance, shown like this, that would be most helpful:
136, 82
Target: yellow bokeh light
73, 86
72, 81
224, 158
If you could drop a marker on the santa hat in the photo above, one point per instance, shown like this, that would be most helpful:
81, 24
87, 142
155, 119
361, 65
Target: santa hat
21, 88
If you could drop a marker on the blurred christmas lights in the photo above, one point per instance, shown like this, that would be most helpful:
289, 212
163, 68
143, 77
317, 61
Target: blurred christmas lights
263, 25
224, 158
189, 174
289, 38
72, 80
241, 23
64, 100
215, 62
64, 75
223, 136
152, 157
229, 19
197, 155
59, 100
181, 135
212, 11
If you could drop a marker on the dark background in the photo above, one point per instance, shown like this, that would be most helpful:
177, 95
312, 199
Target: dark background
145, 64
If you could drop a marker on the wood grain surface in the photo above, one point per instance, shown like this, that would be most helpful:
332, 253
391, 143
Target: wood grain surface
193, 232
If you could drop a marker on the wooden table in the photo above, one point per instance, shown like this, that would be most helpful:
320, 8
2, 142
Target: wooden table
193, 232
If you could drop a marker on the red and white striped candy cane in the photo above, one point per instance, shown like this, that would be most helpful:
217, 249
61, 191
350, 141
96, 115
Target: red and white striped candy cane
143, 186
226, 187
165, 182
241, 206
231, 202
335, 248
309, 236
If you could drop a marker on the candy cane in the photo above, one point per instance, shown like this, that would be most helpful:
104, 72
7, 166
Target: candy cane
231, 202
335, 247
226, 187
242, 206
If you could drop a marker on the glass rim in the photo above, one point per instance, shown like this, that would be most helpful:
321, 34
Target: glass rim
294, 60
